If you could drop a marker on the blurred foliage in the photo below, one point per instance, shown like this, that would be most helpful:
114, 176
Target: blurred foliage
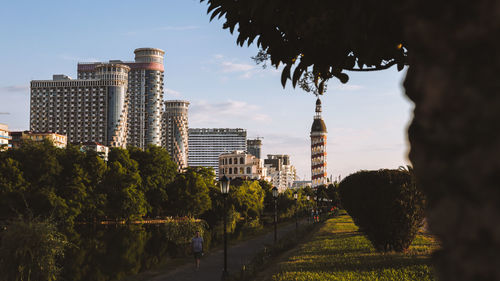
386, 205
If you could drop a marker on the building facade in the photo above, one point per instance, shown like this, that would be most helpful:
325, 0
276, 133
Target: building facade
206, 145
57, 140
4, 137
239, 164
83, 109
145, 95
254, 147
318, 149
101, 150
175, 131
280, 172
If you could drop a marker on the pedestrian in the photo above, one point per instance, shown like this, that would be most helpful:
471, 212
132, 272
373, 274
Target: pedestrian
197, 244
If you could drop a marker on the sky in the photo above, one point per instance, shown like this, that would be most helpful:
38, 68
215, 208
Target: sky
367, 118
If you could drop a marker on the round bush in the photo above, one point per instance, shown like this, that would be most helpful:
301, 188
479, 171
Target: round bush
386, 205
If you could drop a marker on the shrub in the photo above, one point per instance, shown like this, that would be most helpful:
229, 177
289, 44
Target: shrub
386, 205
29, 251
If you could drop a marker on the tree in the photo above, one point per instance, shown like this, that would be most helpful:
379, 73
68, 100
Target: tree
95, 203
73, 182
248, 199
157, 171
451, 80
321, 35
268, 195
124, 198
191, 193
41, 169
29, 250
12, 187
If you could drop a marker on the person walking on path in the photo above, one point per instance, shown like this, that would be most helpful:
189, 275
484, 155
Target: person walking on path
197, 244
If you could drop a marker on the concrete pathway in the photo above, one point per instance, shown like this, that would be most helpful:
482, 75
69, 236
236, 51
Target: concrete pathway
211, 265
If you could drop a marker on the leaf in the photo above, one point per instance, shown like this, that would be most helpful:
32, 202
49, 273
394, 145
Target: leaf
297, 73
285, 74
401, 65
342, 77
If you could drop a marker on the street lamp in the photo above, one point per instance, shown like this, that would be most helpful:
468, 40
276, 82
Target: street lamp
224, 189
296, 196
275, 197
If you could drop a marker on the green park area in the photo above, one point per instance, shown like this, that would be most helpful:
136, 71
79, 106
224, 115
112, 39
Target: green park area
339, 251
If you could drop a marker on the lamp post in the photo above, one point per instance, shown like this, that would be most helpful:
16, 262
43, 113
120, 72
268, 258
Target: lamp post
296, 196
275, 197
308, 208
224, 188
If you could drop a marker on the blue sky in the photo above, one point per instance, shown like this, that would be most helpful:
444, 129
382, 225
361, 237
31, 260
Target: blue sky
366, 118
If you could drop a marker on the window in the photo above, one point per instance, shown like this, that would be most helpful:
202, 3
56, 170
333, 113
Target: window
249, 170
230, 170
242, 160
230, 162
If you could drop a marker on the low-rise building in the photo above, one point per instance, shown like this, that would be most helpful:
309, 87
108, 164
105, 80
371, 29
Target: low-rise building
57, 140
241, 164
280, 172
4, 137
102, 150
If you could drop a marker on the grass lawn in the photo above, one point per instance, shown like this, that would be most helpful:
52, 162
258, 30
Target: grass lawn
339, 252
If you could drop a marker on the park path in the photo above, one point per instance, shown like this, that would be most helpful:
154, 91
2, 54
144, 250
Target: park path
211, 265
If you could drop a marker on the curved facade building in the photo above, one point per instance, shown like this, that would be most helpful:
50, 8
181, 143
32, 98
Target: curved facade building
117, 74
318, 148
175, 132
145, 95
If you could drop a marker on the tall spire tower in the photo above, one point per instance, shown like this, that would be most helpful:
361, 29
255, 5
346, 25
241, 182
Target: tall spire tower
318, 148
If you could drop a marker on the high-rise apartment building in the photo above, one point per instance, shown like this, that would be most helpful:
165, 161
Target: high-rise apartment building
175, 131
280, 172
318, 148
84, 110
145, 95
254, 147
205, 145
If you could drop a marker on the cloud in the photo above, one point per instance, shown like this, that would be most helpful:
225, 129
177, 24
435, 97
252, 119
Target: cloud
15, 88
232, 66
173, 93
348, 87
228, 66
4, 113
225, 113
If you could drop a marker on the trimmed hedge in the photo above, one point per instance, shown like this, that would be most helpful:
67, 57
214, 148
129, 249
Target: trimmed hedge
386, 205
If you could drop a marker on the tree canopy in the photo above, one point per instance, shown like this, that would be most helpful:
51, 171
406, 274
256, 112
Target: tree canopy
320, 39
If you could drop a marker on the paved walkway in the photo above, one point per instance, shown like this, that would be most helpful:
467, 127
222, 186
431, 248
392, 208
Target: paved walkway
211, 265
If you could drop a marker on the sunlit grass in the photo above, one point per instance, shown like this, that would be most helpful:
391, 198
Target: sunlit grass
339, 252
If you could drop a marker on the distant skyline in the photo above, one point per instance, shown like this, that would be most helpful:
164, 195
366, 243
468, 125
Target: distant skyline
366, 118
